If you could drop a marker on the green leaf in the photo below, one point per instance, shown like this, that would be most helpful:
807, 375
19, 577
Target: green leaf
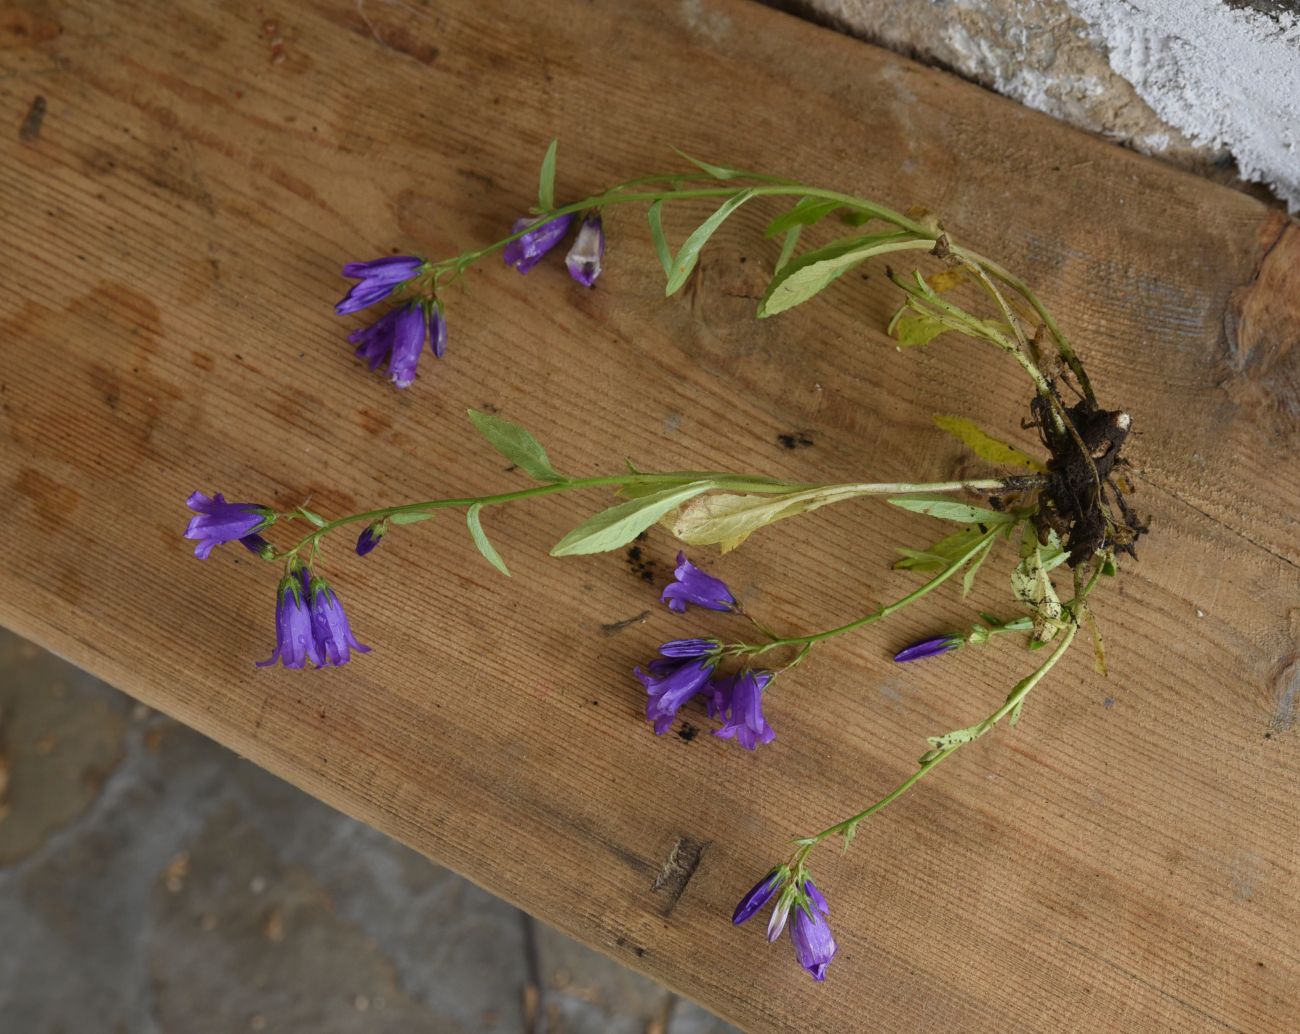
546, 182
620, 524
689, 254
985, 446
806, 212
516, 445
914, 331
811, 273
312, 516
727, 519
657, 235
415, 517
950, 510
718, 172
944, 553
481, 540
1014, 716
787, 247
977, 561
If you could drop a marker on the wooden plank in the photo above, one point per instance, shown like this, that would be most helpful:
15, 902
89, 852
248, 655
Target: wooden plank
1124, 860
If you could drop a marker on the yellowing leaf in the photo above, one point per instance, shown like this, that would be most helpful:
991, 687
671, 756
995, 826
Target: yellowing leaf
728, 519
985, 446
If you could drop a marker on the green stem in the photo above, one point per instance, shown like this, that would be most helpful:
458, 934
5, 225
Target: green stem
891, 608
732, 482
1011, 705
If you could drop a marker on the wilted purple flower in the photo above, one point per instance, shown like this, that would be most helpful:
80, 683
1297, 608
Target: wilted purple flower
741, 697
675, 677
694, 586
295, 643
370, 537
219, 522
759, 895
329, 625
527, 251
377, 279
813, 943
932, 647
397, 336
588, 249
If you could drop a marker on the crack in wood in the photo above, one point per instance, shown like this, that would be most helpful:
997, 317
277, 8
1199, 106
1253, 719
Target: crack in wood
677, 870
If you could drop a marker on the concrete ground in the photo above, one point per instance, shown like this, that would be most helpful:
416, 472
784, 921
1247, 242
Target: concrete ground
151, 882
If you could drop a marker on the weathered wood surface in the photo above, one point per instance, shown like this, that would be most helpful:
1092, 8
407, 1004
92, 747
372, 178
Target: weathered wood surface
181, 180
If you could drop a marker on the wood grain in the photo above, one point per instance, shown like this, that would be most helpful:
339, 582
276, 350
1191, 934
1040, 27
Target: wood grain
1124, 860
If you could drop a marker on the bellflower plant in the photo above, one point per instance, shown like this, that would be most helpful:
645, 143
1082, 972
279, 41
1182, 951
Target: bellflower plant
1060, 517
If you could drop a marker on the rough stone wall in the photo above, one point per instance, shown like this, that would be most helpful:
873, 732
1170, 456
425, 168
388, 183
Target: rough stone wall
1202, 83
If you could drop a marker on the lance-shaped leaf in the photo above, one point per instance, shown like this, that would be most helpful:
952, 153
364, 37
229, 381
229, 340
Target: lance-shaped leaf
480, 538
913, 331
812, 273
956, 549
952, 510
689, 254
620, 524
985, 446
728, 519
312, 516
718, 172
515, 444
412, 517
806, 212
546, 180
654, 218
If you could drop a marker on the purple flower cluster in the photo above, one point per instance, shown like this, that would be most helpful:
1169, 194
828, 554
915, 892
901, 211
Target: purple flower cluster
399, 335
584, 258
310, 624
686, 668
814, 945
218, 522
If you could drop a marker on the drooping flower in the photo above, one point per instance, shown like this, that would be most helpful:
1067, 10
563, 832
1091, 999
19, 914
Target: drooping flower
370, 537
295, 642
814, 944
740, 697
931, 647
674, 677
377, 279
329, 624
588, 249
759, 895
691, 585
398, 337
527, 251
218, 522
